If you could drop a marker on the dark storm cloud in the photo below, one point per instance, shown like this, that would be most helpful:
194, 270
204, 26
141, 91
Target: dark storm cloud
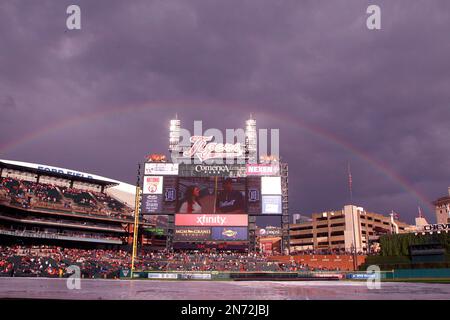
383, 92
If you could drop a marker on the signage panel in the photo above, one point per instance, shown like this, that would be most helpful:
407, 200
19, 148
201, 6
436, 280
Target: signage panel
271, 185
203, 148
211, 220
161, 169
152, 185
262, 169
192, 234
212, 170
437, 227
254, 195
271, 204
151, 203
229, 233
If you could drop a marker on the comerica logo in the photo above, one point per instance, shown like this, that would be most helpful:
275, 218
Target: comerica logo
218, 169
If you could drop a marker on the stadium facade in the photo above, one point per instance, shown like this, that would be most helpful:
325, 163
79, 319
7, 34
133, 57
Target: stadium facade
210, 193
41, 204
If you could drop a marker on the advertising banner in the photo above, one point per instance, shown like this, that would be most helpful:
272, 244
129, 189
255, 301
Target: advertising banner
212, 170
151, 203
229, 233
204, 148
271, 204
170, 194
254, 195
192, 234
159, 221
271, 185
262, 169
155, 231
195, 276
211, 220
161, 169
152, 185
162, 276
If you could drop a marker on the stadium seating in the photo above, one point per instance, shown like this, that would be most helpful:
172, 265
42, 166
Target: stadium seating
111, 203
80, 197
46, 261
27, 194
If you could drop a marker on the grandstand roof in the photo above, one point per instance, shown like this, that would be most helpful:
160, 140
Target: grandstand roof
58, 172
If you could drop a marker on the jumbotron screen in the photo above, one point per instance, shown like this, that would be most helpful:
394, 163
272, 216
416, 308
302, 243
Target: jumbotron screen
210, 202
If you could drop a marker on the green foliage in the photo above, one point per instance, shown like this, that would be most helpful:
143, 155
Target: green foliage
398, 244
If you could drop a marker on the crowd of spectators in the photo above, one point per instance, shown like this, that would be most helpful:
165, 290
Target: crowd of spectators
51, 233
49, 261
27, 194
80, 197
45, 261
201, 261
109, 202
20, 189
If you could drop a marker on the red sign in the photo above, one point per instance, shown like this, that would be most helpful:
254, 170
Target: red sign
262, 169
211, 220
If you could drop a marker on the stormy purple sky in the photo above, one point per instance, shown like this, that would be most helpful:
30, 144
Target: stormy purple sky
99, 99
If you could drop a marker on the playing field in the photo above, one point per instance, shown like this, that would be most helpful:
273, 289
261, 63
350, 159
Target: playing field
42, 288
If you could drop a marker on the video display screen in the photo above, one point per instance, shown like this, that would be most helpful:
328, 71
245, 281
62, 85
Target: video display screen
209, 201
271, 205
271, 185
211, 195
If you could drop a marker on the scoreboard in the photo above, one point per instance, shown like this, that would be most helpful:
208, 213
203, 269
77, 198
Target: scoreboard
209, 203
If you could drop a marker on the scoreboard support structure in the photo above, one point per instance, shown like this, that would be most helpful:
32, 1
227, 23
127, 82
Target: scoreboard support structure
285, 236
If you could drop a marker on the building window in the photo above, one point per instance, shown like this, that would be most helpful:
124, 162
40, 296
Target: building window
302, 236
338, 225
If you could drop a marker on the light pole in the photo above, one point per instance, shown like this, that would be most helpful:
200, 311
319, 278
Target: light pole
136, 219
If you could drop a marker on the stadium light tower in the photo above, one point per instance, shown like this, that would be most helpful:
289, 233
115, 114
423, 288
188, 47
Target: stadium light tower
174, 135
251, 140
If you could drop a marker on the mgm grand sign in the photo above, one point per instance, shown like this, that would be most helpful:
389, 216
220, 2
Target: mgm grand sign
437, 227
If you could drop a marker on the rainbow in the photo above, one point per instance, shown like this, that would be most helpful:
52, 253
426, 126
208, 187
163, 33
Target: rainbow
177, 105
